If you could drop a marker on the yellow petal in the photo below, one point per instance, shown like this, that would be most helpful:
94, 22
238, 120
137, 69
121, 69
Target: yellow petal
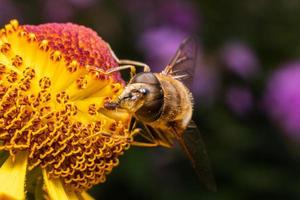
12, 177
56, 190
86, 196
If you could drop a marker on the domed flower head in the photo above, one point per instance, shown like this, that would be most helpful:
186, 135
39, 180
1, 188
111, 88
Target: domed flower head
55, 138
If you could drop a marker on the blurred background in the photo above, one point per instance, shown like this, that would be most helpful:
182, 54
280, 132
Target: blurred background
247, 90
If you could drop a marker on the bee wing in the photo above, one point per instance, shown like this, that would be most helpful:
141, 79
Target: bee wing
182, 65
193, 145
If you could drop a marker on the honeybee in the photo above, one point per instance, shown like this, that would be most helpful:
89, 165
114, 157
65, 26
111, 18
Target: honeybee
163, 103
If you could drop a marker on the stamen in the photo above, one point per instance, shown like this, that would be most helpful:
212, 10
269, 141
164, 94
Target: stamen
44, 45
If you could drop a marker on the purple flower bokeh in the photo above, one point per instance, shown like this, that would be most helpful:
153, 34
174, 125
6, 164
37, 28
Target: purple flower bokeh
82, 3
64, 10
239, 99
159, 45
282, 98
180, 14
170, 22
240, 59
57, 11
8, 11
206, 82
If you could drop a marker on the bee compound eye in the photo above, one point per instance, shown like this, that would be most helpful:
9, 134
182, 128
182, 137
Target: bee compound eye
143, 90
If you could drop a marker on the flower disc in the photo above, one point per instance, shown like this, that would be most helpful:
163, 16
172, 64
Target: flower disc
52, 92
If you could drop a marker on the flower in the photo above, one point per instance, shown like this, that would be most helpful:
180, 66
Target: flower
239, 99
282, 98
52, 89
180, 14
58, 11
83, 3
167, 39
7, 9
163, 26
64, 10
206, 82
240, 59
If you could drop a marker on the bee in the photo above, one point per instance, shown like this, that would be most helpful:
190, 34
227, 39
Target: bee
163, 103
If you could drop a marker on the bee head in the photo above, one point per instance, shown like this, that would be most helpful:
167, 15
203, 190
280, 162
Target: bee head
131, 99
143, 97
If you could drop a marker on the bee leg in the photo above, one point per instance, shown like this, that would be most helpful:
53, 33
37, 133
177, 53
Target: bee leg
147, 134
132, 71
144, 144
132, 124
138, 131
150, 144
135, 63
127, 64
151, 141
123, 67
160, 138
165, 139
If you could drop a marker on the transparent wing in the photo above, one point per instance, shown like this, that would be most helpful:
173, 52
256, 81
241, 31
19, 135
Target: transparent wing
182, 65
193, 145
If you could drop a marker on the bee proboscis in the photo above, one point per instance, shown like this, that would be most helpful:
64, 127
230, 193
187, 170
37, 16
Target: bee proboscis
163, 103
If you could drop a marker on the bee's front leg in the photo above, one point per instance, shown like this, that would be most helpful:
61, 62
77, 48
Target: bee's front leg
135, 63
